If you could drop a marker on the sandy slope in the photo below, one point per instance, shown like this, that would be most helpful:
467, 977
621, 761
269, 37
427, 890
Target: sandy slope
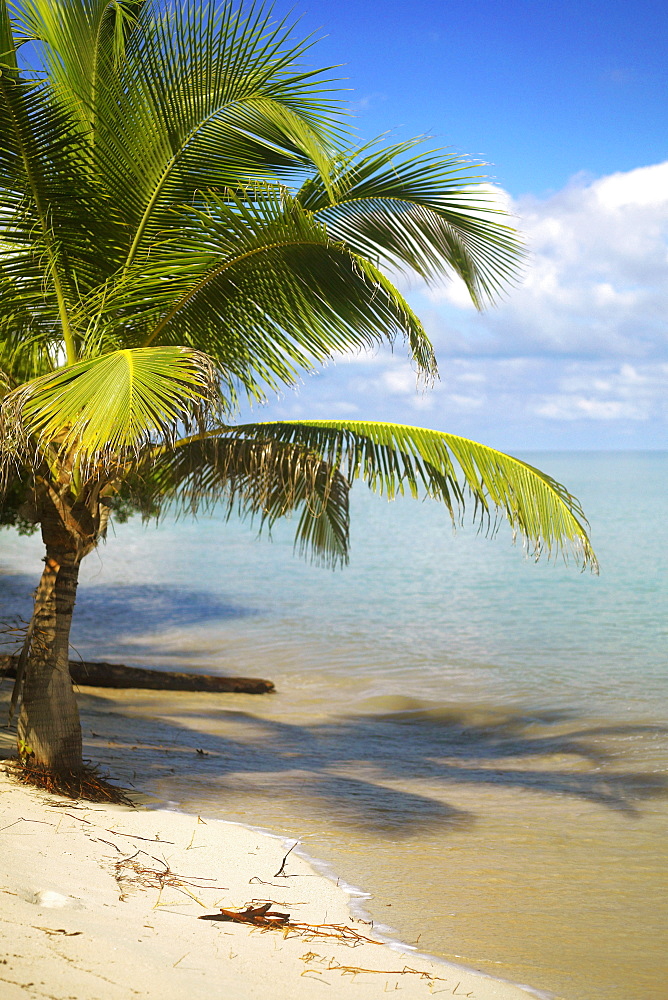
83, 915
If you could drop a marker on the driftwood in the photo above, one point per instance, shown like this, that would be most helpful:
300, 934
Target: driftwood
260, 916
264, 916
116, 675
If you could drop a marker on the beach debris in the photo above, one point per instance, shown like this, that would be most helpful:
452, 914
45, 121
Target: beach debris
263, 916
119, 833
117, 675
341, 932
86, 784
59, 930
259, 916
281, 870
332, 965
22, 819
130, 873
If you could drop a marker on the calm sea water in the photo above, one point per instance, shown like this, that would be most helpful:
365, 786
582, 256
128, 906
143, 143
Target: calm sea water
478, 741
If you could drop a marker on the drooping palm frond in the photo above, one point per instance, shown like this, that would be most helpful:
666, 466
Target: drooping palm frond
96, 412
424, 212
256, 282
393, 459
253, 477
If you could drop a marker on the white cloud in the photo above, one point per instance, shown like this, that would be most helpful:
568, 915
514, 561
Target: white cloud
455, 292
398, 381
626, 393
577, 407
643, 186
597, 280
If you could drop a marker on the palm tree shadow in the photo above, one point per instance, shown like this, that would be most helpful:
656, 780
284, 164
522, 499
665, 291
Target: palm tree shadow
357, 767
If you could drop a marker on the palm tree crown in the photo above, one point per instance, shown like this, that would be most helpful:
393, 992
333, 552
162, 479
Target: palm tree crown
185, 226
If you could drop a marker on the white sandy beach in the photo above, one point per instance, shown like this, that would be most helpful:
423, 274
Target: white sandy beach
88, 912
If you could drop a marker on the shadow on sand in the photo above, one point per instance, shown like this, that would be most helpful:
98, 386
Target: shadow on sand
358, 769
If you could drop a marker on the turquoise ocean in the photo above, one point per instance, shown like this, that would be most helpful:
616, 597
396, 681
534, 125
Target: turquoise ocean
477, 741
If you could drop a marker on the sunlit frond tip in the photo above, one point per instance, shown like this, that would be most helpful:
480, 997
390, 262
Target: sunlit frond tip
395, 459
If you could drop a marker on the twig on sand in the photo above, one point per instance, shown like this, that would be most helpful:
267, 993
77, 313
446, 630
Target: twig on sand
352, 970
129, 872
281, 870
59, 930
118, 833
315, 972
342, 932
256, 879
22, 819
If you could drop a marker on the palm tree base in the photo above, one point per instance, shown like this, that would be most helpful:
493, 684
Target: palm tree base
87, 783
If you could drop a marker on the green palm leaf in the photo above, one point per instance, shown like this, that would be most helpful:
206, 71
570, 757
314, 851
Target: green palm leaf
206, 96
394, 459
252, 476
163, 100
423, 212
81, 45
49, 200
97, 411
258, 284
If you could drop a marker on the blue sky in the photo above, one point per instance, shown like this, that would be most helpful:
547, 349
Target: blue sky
568, 103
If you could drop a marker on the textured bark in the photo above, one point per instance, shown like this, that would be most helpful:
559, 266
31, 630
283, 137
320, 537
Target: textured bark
117, 675
49, 731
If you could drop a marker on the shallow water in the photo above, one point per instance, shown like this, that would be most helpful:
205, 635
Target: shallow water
478, 741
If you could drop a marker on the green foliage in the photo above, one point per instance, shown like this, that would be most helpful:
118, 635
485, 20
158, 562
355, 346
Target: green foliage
395, 459
134, 498
184, 225
104, 408
417, 212
253, 475
25, 751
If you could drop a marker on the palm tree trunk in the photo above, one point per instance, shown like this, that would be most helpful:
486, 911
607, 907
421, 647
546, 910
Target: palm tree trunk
49, 731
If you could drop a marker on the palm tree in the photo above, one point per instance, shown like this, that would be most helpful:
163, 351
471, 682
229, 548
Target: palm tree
184, 227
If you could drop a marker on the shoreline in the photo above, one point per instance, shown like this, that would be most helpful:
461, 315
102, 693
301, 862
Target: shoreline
102, 901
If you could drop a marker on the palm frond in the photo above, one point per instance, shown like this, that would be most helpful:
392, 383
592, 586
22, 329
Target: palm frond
29, 336
255, 477
49, 201
79, 45
163, 99
97, 412
256, 282
394, 459
426, 212
206, 96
